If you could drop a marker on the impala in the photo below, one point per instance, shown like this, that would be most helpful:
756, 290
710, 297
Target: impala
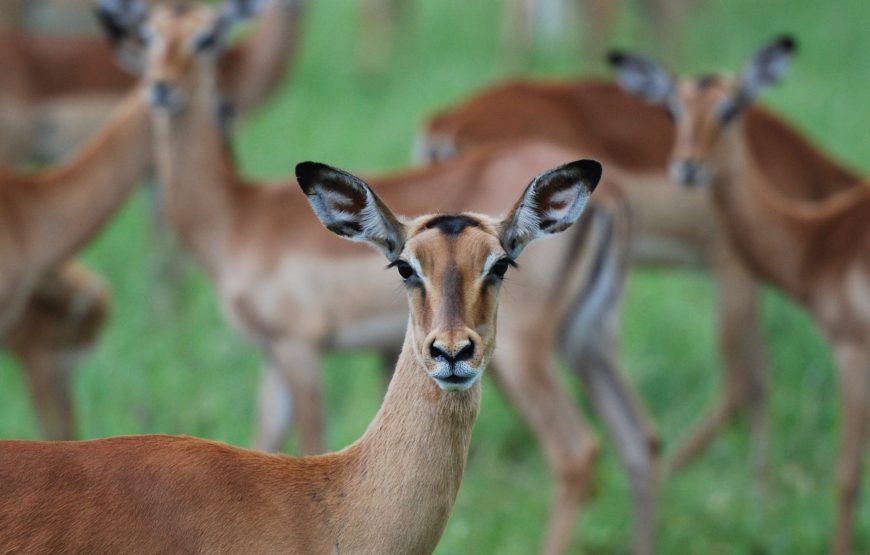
391, 491
296, 301
56, 88
815, 248
673, 227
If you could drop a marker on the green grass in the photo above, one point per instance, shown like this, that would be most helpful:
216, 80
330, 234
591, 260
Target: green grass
182, 370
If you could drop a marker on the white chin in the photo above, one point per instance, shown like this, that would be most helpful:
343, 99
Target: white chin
458, 379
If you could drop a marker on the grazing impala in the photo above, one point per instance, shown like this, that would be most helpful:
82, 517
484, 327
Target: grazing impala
632, 138
816, 248
392, 491
297, 302
56, 88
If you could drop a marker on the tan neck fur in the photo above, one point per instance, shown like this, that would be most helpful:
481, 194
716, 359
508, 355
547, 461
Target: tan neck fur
403, 475
768, 238
197, 173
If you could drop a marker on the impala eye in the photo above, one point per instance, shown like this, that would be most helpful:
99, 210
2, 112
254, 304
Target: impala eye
405, 270
500, 268
206, 41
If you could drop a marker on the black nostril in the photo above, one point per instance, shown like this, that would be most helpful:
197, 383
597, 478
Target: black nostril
160, 90
466, 352
438, 353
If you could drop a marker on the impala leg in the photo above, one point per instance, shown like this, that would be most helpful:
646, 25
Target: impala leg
745, 383
61, 321
524, 369
48, 378
173, 264
637, 443
853, 362
274, 410
298, 365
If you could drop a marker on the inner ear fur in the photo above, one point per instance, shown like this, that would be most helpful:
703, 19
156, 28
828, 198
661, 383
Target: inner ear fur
642, 76
550, 204
767, 66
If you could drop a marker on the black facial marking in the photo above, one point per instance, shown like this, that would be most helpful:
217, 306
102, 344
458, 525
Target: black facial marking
451, 224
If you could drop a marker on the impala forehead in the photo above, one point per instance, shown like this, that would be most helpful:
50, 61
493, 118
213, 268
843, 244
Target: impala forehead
176, 23
437, 246
706, 90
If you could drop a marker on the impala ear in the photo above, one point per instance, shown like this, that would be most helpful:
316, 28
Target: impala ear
550, 204
642, 77
768, 66
122, 22
348, 207
232, 12
765, 68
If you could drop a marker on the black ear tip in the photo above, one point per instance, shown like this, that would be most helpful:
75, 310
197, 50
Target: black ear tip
787, 42
589, 170
616, 57
306, 173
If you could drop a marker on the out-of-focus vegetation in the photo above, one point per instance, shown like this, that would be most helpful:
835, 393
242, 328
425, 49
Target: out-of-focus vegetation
182, 370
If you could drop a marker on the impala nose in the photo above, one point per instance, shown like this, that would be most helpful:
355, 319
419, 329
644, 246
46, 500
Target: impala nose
459, 352
689, 172
161, 93
453, 365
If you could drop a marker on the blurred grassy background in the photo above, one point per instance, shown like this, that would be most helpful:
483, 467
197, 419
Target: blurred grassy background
183, 370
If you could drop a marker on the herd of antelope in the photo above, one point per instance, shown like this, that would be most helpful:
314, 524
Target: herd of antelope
695, 176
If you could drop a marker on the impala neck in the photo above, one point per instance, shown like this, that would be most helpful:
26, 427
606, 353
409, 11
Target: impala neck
196, 172
769, 238
263, 59
408, 466
73, 202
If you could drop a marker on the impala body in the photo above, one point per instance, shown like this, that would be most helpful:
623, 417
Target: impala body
390, 492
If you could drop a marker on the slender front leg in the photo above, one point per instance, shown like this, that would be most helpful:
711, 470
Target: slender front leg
274, 410
523, 367
292, 390
744, 369
853, 361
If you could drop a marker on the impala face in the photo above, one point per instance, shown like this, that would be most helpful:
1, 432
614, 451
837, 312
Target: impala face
452, 266
169, 43
705, 108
